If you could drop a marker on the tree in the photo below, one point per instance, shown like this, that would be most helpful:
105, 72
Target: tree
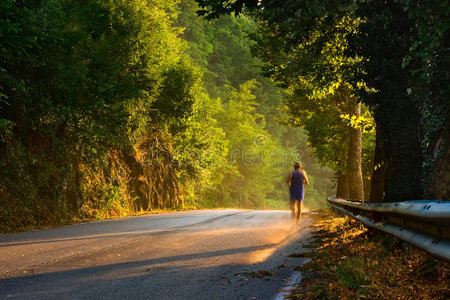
222, 49
401, 46
82, 84
384, 40
314, 63
428, 61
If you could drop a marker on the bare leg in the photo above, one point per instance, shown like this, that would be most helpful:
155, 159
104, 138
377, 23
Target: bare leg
293, 208
299, 209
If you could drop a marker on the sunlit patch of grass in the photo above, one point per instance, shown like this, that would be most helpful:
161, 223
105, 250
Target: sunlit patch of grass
350, 263
350, 272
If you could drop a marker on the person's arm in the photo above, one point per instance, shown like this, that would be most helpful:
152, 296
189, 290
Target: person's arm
305, 178
289, 179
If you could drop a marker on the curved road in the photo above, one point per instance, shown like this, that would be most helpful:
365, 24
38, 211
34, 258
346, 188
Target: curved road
210, 254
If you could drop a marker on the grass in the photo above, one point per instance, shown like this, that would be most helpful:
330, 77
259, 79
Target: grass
352, 263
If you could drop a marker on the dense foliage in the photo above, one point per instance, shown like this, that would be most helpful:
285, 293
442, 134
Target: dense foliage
428, 61
394, 55
305, 51
404, 43
78, 81
260, 149
108, 108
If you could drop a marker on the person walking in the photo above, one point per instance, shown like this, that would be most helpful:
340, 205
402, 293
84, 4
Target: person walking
296, 181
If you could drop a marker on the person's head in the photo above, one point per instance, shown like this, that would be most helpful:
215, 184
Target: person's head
297, 165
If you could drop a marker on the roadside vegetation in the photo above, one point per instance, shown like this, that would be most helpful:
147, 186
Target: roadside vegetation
117, 108
353, 263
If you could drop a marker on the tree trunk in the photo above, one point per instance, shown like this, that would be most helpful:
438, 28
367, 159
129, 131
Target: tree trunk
354, 171
402, 153
440, 176
379, 171
342, 186
388, 27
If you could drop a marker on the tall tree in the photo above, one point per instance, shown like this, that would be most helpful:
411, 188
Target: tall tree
384, 40
428, 61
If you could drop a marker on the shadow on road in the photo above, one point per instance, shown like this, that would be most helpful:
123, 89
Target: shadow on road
217, 264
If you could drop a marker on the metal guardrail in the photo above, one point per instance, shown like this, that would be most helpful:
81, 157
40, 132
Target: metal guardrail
422, 223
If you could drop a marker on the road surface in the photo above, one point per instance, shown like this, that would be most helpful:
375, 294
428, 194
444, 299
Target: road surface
210, 254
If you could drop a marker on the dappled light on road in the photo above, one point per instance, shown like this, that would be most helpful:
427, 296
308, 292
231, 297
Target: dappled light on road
197, 248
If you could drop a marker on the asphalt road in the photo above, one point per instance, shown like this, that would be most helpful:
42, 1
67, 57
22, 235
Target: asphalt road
211, 254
